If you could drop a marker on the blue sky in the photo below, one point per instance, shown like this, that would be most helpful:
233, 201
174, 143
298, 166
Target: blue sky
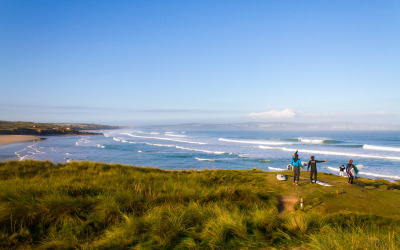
166, 62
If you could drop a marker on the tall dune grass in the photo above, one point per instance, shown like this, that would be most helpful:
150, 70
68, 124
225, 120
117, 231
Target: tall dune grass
94, 205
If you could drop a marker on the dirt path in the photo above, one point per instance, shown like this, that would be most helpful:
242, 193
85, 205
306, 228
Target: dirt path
287, 203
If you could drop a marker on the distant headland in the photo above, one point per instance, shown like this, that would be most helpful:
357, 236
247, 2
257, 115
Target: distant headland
48, 129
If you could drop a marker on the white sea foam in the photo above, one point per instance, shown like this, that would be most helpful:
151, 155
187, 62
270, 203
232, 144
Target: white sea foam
381, 148
165, 139
175, 135
116, 139
161, 145
259, 142
394, 177
100, 146
396, 158
201, 159
201, 150
333, 169
124, 141
316, 141
277, 169
82, 141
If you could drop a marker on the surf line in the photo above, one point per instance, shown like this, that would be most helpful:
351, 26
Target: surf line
165, 139
255, 142
333, 153
382, 148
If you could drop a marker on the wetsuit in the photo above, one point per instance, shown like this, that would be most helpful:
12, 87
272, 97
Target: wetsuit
296, 163
348, 171
313, 164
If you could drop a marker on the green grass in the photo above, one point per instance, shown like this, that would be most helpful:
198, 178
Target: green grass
93, 205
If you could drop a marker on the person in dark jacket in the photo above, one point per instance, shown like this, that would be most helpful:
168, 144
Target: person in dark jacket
313, 164
342, 168
351, 171
296, 163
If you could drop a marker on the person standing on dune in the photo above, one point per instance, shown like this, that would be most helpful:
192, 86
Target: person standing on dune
351, 171
296, 163
313, 164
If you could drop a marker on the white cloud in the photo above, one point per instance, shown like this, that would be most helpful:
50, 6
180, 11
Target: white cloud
305, 116
273, 114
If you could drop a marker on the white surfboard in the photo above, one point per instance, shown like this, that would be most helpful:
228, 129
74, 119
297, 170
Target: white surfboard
323, 184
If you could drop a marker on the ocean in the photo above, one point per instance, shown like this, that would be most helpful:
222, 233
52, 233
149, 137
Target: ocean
376, 153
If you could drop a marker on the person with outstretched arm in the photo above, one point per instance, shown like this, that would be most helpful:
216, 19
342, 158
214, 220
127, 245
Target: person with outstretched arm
313, 164
296, 163
295, 153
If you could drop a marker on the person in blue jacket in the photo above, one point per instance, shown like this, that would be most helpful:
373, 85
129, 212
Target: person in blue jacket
296, 163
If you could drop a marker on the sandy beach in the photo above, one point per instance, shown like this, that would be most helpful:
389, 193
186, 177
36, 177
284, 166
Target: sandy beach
7, 139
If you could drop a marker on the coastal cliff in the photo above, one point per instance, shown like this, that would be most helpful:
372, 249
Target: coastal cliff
48, 129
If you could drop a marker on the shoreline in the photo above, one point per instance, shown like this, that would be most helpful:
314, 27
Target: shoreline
9, 139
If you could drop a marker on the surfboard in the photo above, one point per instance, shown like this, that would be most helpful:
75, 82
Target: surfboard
281, 177
323, 184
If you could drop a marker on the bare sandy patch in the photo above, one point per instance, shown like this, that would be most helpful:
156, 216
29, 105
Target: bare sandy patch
287, 203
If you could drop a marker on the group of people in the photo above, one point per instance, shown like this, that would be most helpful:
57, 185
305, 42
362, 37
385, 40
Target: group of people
351, 170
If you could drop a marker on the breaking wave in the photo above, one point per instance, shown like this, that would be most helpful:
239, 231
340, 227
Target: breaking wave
380, 175
317, 141
202, 150
165, 139
201, 159
255, 142
381, 148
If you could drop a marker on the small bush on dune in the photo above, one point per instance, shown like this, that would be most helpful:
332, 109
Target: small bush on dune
265, 220
126, 234
167, 225
64, 208
226, 226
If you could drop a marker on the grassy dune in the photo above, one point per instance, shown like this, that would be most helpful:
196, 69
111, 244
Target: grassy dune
92, 205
